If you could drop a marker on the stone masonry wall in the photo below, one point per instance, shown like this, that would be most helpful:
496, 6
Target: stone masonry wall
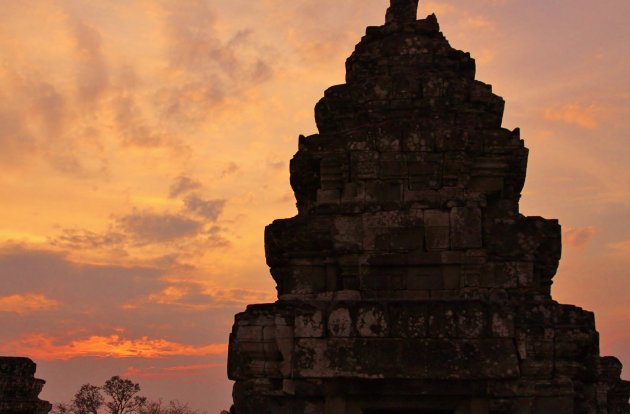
409, 281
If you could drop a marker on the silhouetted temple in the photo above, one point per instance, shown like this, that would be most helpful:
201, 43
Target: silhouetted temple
409, 282
19, 389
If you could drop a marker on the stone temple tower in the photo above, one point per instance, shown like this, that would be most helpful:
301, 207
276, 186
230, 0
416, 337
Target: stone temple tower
409, 282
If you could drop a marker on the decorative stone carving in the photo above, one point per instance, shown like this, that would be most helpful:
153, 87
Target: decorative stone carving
409, 281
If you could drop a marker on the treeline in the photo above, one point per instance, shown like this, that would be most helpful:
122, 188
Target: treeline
118, 396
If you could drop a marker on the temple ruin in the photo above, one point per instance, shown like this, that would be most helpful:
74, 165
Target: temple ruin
19, 389
409, 282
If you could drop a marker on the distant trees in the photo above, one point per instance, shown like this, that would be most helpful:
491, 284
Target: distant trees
62, 408
87, 400
173, 407
122, 394
118, 396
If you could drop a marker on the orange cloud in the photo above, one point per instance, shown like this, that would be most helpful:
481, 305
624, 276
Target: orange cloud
480, 23
621, 248
169, 372
26, 303
578, 236
46, 348
194, 296
244, 296
169, 295
576, 114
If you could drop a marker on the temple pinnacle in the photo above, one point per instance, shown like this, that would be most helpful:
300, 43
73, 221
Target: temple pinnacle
402, 11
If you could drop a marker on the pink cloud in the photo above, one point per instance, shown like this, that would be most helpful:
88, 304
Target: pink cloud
182, 185
149, 226
621, 248
478, 22
578, 237
230, 169
169, 372
584, 116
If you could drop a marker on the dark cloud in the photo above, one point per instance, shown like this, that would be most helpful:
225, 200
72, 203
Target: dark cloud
230, 169
182, 185
208, 209
195, 45
38, 112
215, 237
96, 305
15, 137
89, 296
69, 163
85, 239
142, 227
152, 227
578, 237
261, 71
135, 130
47, 103
23, 269
276, 164
32, 117
190, 99
93, 73
207, 67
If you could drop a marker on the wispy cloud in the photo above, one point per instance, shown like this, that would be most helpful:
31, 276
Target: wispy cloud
93, 73
205, 69
230, 169
171, 371
584, 116
621, 248
196, 296
48, 348
578, 237
182, 185
150, 226
478, 22
86, 239
208, 209
26, 303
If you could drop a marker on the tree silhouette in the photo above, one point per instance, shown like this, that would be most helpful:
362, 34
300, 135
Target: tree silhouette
87, 400
62, 408
173, 407
177, 407
123, 396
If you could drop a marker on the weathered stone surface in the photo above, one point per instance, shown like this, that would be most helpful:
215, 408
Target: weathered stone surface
19, 389
409, 281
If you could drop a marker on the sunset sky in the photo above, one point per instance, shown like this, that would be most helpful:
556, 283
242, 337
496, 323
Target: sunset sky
144, 145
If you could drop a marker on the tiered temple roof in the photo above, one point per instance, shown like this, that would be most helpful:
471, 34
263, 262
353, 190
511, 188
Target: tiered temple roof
409, 281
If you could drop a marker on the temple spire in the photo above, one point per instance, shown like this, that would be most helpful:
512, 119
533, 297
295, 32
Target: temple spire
402, 11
